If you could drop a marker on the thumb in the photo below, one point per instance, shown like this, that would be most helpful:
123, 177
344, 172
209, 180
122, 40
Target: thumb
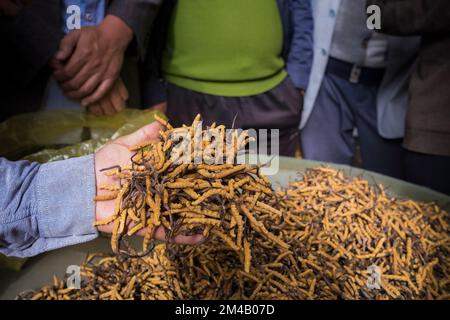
67, 45
149, 132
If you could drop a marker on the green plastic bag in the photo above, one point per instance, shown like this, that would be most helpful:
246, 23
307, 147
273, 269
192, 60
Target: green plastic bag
63, 134
11, 263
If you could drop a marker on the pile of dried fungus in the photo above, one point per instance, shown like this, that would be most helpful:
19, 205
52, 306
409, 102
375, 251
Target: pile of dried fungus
165, 187
322, 237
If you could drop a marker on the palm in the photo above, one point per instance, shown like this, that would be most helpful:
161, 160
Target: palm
117, 154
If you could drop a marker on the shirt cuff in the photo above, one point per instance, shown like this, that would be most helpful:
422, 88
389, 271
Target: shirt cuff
299, 75
65, 202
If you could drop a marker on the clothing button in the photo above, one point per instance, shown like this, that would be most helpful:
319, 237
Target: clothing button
89, 17
324, 52
332, 13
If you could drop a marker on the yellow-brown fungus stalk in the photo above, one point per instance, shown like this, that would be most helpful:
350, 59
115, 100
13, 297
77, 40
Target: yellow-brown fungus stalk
322, 237
191, 197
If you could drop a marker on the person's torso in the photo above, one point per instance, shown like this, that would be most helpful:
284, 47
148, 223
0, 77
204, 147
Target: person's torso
224, 41
353, 41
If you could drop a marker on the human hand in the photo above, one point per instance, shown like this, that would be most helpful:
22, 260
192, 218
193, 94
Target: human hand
117, 153
114, 101
88, 61
11, 8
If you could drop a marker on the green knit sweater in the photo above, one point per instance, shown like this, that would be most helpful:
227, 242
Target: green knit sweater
225, 47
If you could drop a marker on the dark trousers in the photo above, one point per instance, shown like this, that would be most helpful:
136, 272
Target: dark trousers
428, 170
342, 106
279, 108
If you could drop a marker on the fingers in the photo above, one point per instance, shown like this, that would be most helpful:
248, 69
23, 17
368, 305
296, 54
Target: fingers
74, 66
191, 240
95, 110
146, 133
79, 67
122, 89
87, 65
117, 100
107, 106
101, 91
67, 46
55, 64
85, 74
112, 103
84, 90
160, 234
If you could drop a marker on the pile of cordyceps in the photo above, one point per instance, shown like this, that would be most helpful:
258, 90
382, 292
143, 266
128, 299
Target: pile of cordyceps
189, 182
325, 236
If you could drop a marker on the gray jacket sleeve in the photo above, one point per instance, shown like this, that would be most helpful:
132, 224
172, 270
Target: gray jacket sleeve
139, 15
45, 207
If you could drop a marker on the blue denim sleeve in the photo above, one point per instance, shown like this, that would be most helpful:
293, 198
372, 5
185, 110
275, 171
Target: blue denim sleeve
301, 51
46, 207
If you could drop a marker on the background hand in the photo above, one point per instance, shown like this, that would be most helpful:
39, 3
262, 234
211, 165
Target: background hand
114, 101
89, 60
117, 153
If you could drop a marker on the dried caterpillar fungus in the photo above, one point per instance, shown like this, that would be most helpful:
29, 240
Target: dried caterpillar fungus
225, 199
321, 237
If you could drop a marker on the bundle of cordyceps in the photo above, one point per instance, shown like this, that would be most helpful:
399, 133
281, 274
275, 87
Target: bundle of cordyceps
171, 184
325, 236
